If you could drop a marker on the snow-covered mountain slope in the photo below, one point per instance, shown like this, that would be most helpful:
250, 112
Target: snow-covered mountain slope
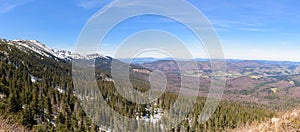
42, 49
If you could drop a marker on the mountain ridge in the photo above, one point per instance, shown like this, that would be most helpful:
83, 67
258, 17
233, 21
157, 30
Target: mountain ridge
42, 49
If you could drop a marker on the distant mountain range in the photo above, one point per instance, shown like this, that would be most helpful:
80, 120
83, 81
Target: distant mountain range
152, 59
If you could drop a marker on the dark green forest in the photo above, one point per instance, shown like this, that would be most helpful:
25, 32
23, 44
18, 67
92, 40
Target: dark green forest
37, 92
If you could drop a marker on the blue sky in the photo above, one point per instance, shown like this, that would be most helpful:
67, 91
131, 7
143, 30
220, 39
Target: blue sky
248, 29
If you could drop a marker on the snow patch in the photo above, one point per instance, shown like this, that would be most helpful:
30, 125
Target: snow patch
157, 114
34, 79
60, 90
2, 96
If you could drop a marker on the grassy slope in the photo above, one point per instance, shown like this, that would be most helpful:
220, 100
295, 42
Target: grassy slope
10, 125
287, 121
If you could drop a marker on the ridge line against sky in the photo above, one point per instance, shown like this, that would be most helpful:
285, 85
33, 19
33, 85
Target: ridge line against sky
248, 29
